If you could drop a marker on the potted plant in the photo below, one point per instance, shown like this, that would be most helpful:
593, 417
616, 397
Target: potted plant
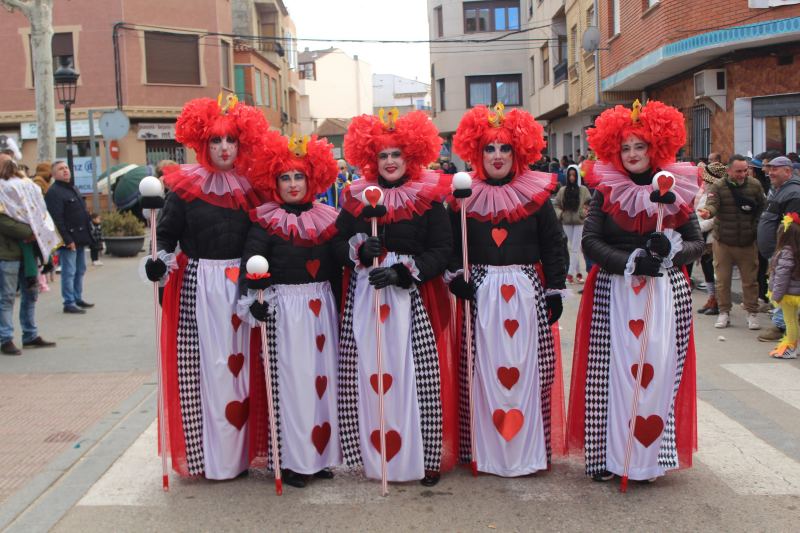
123, 233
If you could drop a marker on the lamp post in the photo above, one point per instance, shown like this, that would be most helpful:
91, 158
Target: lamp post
66, 82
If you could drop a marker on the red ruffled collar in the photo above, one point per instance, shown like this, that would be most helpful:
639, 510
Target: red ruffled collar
514, 201
222, 188
412, 198
629, 204
314, 226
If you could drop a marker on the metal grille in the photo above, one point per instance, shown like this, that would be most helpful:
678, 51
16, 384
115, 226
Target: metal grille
701, 131
156, 151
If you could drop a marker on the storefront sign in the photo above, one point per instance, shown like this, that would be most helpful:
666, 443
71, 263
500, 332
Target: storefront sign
80, 128
149, 131
82, 167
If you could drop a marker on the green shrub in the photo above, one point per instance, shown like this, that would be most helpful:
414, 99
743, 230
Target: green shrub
121, 224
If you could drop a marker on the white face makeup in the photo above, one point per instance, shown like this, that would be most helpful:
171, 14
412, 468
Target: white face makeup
292, 187
223, 151
391, 164
498, 158
633, 153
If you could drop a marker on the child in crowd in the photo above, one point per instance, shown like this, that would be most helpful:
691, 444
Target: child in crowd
784, 283
97, 234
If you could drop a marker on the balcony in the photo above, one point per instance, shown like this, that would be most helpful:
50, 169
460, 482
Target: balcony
560, 73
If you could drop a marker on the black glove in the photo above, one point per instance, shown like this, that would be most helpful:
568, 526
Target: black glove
658, 243
462, 289
554, 308
160, 295
259, 284
373, 212
647, 265
47, 267
259, 311
666, 198
155, 269
370, 249
383, 277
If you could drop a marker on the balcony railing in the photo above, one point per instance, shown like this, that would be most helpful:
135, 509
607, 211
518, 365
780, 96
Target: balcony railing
559, 73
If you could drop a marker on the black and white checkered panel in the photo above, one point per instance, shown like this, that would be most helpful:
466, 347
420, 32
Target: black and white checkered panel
427, 377
546, 354
188, 348
348, 382
596, 414
272, 344
477, 275
682, 301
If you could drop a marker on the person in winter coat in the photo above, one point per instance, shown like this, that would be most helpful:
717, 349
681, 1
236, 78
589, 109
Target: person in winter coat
572, 207
517, 269
784, 283
711, 174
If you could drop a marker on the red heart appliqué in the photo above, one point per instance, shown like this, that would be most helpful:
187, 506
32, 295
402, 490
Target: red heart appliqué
665, 183
236, 413
508, 292
393, 443
387, 382
315, 305
637, 326
648, 429
312, 265
321, 385
499, 235
236, 322
320, 436
235, 363
638, 283
232, 273
320, 342
508, 423
385, 309
647, 374
373, 196
508, 376
511, 326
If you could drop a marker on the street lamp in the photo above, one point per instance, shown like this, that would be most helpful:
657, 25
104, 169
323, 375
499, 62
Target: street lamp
66, 82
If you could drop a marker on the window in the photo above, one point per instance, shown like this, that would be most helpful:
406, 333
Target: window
276, 104
545, 64
487, 90
158, 150
650, 3
440, 93
307, 71
437, 16
172, 58
241, 90
267, 99
562, 49
701, 131
291, 49
491, 16
573, 34
62, 50
259, 96
533, 74
226, 63
776, 133
590, 17
613, 12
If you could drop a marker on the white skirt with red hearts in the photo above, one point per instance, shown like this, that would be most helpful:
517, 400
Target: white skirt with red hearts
224, 372
304, 345
509, 429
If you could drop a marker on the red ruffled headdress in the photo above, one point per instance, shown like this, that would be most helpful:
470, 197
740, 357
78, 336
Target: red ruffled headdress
310, 155
659, 125
414, 134
479, 127
204, 118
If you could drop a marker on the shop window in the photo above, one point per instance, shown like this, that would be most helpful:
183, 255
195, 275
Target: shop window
159, 150
172, 58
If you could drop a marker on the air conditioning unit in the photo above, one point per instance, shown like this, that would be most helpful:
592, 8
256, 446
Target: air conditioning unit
711, 83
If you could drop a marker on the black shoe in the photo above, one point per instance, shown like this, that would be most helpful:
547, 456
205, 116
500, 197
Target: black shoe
38, 342
324, 474
9, 348
431, 478
294, 479
603, 476
74, 309
83, 305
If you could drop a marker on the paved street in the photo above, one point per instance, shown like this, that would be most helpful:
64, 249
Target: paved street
78, 448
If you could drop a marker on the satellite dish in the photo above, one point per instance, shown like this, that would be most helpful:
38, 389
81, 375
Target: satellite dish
591, 39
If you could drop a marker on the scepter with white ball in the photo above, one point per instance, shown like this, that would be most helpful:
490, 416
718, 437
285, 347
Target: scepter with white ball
373, 197
462, 189
663, 183
258, 270
152, 191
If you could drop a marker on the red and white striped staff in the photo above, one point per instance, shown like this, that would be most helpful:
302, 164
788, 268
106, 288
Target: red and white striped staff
373, 196
664, 182
258, 270
462, 189
152, 191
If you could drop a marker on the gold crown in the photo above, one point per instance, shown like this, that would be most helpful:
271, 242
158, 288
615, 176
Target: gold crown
230, 102
299, 146
635, 110
389, 120
496, 119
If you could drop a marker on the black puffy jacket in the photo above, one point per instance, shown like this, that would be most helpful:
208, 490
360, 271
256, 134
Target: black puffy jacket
610, 246
65, 204
204, 231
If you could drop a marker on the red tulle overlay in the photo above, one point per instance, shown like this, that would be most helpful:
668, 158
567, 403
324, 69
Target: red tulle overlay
412, 198
685, 401
225, 189
517, 200
309, 228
